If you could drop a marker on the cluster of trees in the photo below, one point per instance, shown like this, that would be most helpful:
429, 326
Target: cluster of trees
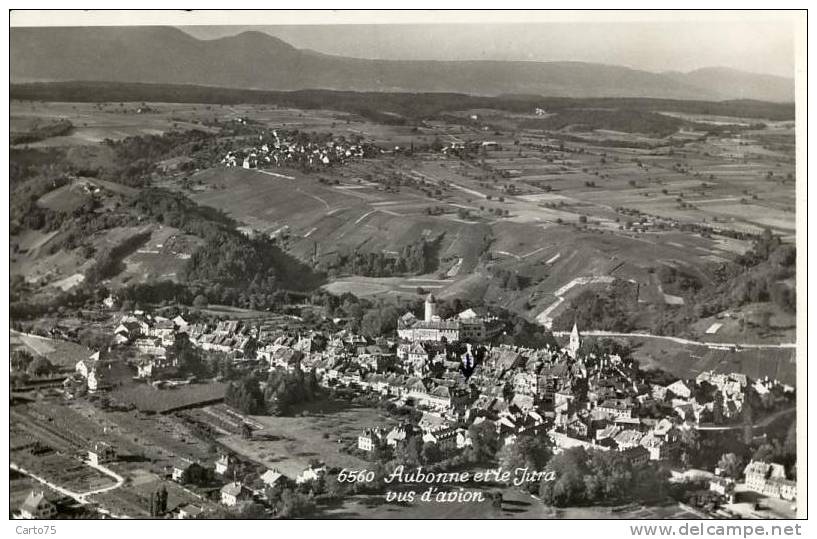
39, 132
108, 262
282, 391
584, 477
198, 475
380, 320
157, 503
611, 310
627, 120
229, 267
509, 278
763, 274
23, 363
24, 212
417, 257
520, 332
245, 395
135, 157
678, 280
286, 389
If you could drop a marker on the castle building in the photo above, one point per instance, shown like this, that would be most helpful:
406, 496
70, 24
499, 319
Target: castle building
432, 328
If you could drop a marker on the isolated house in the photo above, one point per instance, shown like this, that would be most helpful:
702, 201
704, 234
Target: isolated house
101, 453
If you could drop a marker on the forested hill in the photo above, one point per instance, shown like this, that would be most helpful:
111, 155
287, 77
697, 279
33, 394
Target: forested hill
401, 107
259, 60
225, 266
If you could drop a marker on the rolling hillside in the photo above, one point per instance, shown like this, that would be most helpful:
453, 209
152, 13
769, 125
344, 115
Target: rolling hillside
259, 61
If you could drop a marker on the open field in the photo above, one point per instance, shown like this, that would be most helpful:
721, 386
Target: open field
688, 361
547, 199
161, 258
149, 399
288, 443
135, 499
95, 123
62, 353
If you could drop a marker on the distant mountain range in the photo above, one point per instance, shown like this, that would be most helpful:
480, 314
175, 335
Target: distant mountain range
256, 60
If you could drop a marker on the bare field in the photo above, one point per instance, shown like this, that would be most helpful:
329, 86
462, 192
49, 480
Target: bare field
147, 398
288, 443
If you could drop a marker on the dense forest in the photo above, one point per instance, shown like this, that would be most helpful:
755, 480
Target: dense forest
41, 132
415, 258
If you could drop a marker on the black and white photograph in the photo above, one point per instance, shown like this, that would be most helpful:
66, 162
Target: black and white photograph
433, 265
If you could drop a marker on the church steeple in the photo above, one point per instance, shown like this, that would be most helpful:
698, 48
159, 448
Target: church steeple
575, 340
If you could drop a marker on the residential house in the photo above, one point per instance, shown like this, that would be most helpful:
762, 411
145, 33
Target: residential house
179, 467
271, 477
101, 453
223, 464
189, 511
234, 493
37, 506
723, 486
680, 389
312, 473
370, 439
769, 479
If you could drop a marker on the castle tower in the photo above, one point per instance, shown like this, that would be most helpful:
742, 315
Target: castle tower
431, 308
575, 341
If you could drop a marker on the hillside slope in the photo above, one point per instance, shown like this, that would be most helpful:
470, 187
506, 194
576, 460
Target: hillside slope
257, 60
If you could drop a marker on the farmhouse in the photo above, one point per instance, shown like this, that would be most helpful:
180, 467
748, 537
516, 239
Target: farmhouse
223, 464
189, 510
101, 453
312, 473
179, 467
37, 506
234, 493
101, 373
271, 477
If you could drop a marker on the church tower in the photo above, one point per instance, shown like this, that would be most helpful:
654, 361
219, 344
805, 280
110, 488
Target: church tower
575, 341
431, 308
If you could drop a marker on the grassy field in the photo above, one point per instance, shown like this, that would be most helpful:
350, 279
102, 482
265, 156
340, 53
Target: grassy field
149, 399
134, 499
687, 361
288, 443
552, 204
61, 353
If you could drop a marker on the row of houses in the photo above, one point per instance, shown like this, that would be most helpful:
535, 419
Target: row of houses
288, 149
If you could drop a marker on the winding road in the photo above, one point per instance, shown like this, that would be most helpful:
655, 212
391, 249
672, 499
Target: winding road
679, 340
81, 497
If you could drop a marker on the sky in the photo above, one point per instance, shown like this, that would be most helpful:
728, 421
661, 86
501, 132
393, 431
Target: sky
755, 45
